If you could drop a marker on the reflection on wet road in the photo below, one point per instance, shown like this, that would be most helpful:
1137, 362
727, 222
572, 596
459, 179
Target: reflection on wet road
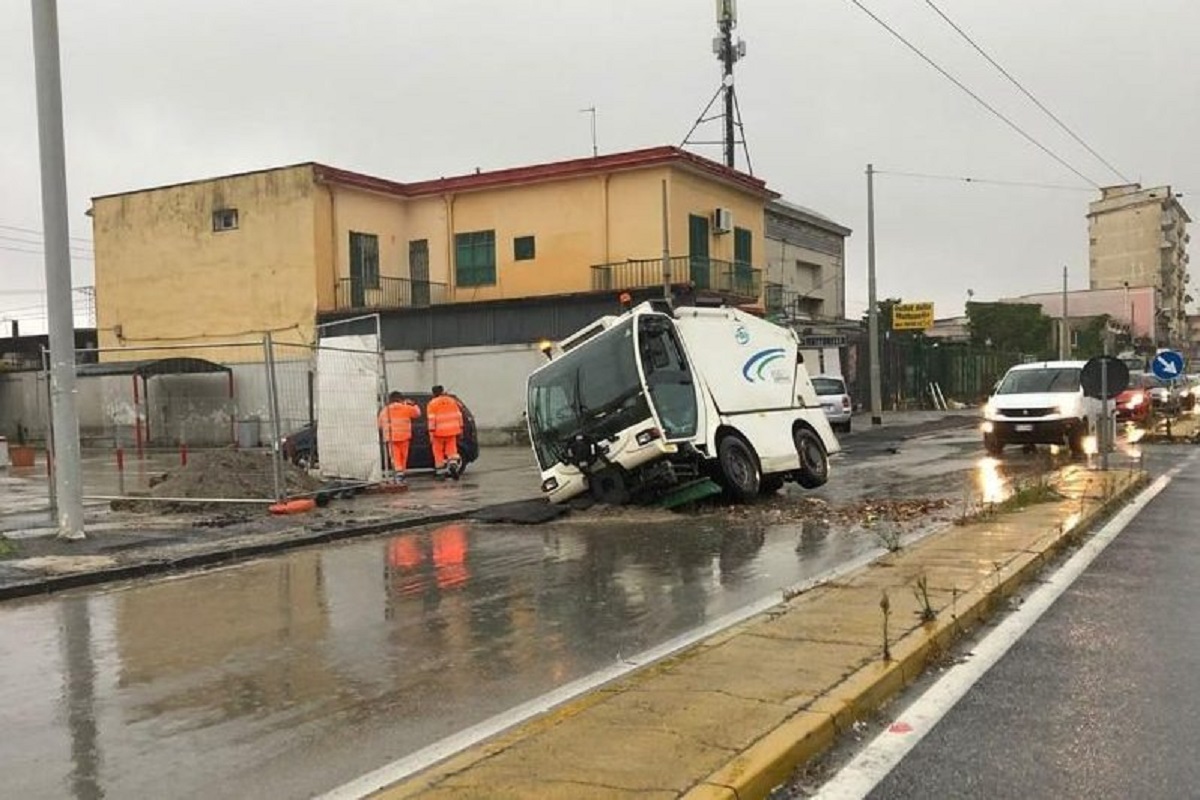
292, 675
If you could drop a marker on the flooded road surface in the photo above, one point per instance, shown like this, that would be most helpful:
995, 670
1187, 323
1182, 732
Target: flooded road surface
292, 675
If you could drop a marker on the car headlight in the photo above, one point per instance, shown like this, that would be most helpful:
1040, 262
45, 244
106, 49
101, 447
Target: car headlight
989, 409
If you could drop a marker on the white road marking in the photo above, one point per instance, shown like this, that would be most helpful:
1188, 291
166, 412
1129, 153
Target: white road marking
864, 772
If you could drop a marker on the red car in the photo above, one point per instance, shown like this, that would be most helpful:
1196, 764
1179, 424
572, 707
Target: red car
1134, 404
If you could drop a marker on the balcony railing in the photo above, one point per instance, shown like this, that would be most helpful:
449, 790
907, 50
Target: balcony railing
739, 281
353, 293
790, 304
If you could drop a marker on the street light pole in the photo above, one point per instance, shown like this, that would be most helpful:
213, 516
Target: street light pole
61, 324
873, 305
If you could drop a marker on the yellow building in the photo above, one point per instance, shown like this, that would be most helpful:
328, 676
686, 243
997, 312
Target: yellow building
223, 260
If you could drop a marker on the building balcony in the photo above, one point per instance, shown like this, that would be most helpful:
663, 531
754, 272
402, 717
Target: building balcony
783, 303
384, 293
739, 282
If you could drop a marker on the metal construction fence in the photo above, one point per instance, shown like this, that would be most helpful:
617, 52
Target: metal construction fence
910, 365
223, 423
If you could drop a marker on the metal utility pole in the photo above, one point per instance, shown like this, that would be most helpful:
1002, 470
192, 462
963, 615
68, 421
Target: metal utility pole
592, 110
873, 304
66, 467
1064, 338
666, 241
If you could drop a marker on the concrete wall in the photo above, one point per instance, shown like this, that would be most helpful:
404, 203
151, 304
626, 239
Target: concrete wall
163, 275
490, 380
196, 408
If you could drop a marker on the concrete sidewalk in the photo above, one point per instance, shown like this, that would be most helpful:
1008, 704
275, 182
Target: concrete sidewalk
733, 716
122, 544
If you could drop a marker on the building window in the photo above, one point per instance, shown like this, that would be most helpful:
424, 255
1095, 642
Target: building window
742, 242
524, 248
475, 258
364, 260
225, 219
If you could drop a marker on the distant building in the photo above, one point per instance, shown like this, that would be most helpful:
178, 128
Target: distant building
1138, 237
1193, 323
806, 263
224, 259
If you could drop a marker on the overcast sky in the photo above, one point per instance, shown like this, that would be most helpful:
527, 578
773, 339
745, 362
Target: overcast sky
159, 91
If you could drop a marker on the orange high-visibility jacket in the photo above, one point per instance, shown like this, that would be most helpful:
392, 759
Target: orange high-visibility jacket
396, 421
445, 417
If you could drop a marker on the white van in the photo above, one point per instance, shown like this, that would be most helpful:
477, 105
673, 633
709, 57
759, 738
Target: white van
1041, 403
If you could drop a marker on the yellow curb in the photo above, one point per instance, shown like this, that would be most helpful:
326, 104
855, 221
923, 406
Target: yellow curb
772, 760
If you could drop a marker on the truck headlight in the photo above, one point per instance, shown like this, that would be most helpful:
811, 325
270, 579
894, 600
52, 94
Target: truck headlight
987, 427
550, 484
989, 409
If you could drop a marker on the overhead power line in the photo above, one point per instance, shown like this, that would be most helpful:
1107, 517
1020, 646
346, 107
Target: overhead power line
1061, 187
998, 114
39, 233
74, 254
1025, 91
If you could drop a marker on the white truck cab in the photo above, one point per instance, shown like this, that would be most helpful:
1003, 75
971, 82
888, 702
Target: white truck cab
1041, 403
655, 397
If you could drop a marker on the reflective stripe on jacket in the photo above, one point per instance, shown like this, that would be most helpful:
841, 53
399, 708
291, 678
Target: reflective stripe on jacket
396, 421
445, 416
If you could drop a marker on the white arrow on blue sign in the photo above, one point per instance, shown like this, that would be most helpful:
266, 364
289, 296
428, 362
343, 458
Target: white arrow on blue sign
1167, 365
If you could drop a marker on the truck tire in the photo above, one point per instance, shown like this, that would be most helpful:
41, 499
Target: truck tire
739, 468
814, 461
770, 484
608, 486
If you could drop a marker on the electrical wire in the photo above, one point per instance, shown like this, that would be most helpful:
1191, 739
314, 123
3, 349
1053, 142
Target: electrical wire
1025, 91
990, 181
39, 233
998, 114
74, 254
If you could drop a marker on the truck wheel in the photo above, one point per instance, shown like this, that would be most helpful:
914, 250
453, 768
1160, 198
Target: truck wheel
814, 461
769, 485
739, 468
608, 486
993, 445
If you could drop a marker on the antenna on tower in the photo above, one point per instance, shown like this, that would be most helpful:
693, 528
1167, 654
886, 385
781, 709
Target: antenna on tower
728, 52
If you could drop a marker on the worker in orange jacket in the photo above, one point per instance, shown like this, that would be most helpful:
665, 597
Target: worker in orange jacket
395, 423
445, 426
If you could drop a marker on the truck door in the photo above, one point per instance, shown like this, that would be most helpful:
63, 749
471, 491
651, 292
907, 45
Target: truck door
669, 379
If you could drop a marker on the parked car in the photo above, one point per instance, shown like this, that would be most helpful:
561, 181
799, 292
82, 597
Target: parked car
1134, 404
835, 401
300, 447
1190, 393
1041, 403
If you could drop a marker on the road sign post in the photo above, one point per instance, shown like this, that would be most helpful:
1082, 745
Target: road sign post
1103, 378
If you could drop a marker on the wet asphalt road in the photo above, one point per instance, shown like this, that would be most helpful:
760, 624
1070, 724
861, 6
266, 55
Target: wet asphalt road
1099, 699
291, 675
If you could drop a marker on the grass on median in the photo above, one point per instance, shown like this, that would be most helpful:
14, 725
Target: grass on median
1030, 493
7, 548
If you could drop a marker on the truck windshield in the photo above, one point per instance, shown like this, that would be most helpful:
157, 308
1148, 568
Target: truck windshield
1040, 381
593, 390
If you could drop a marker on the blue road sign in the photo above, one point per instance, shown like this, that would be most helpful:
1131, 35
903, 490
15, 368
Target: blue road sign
1167, 365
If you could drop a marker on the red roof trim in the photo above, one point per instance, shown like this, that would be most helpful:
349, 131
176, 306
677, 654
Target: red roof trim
634, 159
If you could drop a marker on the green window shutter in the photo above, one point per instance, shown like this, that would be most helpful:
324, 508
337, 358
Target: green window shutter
475, 258
742, 243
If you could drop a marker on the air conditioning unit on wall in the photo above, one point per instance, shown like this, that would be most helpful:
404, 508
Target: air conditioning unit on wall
723, 220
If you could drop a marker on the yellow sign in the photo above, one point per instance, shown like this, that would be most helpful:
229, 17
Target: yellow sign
912, 316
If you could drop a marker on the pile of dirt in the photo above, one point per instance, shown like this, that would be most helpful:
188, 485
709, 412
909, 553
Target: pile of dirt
220, 474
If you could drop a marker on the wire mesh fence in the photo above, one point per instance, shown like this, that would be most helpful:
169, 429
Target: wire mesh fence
166, 428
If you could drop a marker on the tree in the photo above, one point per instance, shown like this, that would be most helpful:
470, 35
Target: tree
1012, 327
1090, 336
